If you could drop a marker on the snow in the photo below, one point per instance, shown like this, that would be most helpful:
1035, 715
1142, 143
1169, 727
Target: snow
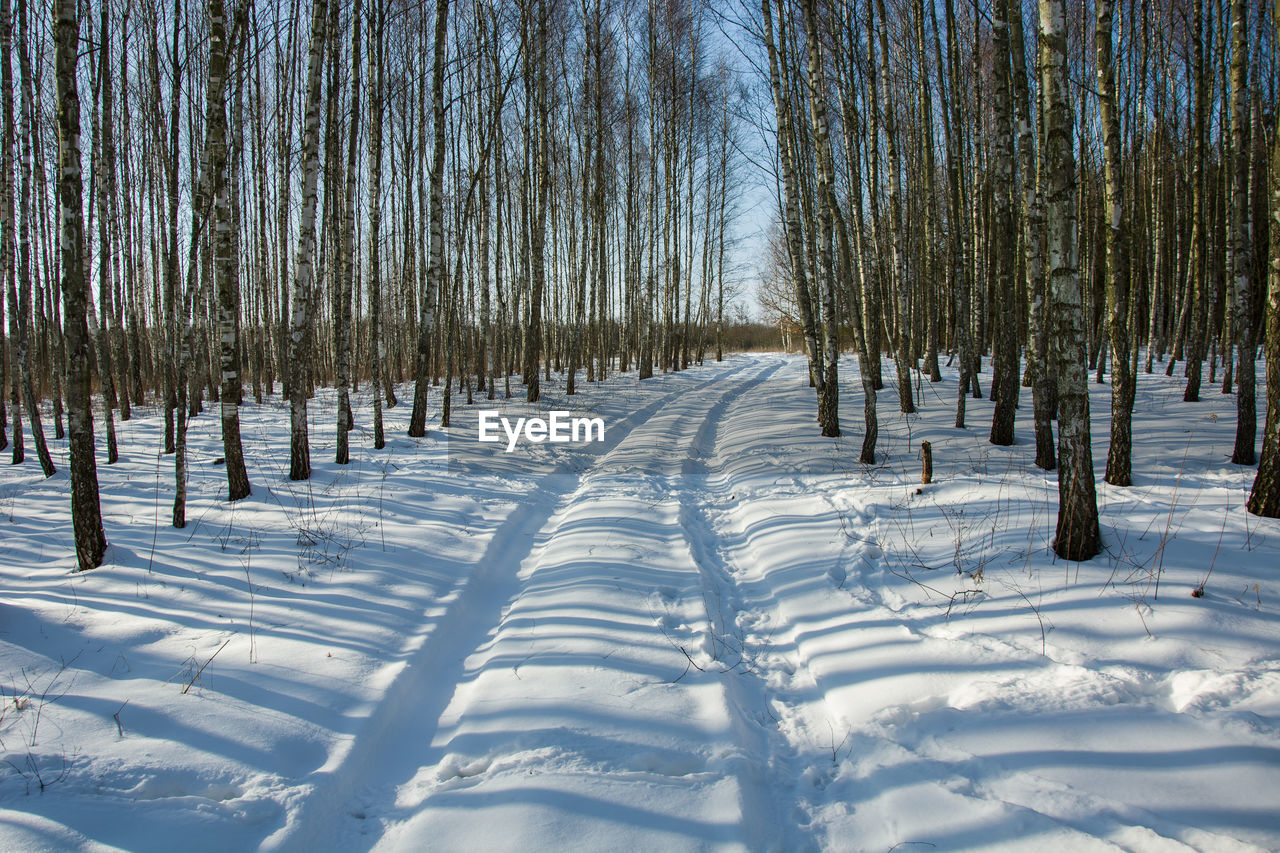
714, 630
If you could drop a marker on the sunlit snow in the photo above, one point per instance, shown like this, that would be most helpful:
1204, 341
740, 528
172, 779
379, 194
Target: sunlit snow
715, 629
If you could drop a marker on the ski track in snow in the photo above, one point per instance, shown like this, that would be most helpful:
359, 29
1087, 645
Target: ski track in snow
719, 633
487, 618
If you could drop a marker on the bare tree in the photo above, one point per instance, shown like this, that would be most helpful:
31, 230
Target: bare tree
172, 271
1242, 248
1117, 249
1029, 162
829, 396
1198, 269
1004, 381
104, 187
207, 205
86, 511
435, 259
342, 323
224, 260
302, 317
8, 279
1077, 533
1264, 498
897, 277
791, 201
25, 227
540, 154
377, 348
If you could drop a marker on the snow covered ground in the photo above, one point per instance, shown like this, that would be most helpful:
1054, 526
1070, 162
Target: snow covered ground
713, 630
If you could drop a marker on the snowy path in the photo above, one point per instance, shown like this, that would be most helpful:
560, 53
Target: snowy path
565, 681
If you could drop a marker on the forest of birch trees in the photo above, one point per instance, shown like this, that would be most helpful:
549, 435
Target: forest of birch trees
1075, 191
204, 205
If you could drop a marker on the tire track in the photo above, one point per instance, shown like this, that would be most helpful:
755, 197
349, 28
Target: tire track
767, 692
763, 815
391, 743
575, 713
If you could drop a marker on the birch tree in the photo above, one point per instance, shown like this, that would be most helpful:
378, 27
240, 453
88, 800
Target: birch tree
25, 226
1264, 498
435, 258
347, 283
8, 278
225, 264
103, 159
1004, 382
1242, 242
897, 276
377, 349
207, 205
1117, 254
829, 395
1198, 268
1077, 536
304, 269
791, 202
1029, 162
86, 510
540, 153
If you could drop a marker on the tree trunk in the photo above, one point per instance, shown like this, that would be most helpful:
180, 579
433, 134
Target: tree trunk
224, 259
1077, 535
1198, 267
791, 201
541, 154
1117, 249
829, 395
8, 279
929, 256
435, 258
1246, 404
86, 511
377, 354
898, 278
1264, 499
301, 319
1029, 163
1004, 379
209, 186
346, 285
112, 361
171, 284
25, 226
